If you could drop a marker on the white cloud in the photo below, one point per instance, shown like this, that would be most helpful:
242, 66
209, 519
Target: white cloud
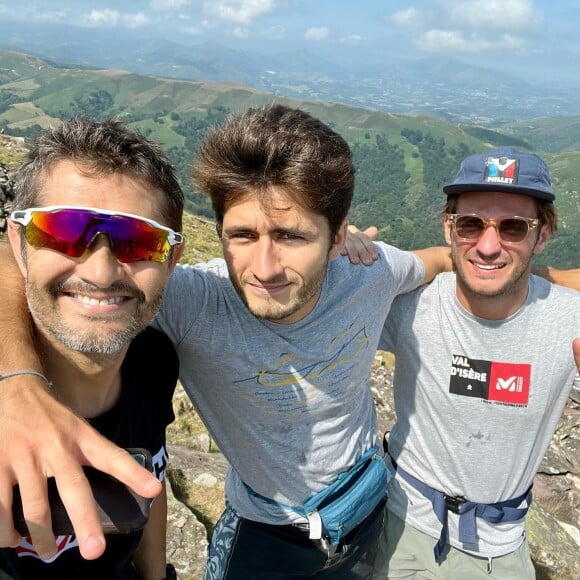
240, 11
409, 18
138, 20
101, 18
441, 40
166, 5
474, 26
495, 14
111, 18
316, 33
437, 40
352, 39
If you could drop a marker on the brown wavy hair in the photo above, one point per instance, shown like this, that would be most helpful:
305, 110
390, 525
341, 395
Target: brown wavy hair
276, 146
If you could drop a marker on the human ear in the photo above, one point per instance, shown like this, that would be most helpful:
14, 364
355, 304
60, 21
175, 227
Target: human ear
447, 230
18, 245
339, 241
542, 240
176, 254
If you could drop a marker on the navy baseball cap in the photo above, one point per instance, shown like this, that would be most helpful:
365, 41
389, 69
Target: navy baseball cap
504, 169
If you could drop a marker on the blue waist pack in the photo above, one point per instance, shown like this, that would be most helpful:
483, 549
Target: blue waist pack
339, 508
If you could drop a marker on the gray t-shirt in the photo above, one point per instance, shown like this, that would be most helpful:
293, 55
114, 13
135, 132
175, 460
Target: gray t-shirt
289, 405
477, 401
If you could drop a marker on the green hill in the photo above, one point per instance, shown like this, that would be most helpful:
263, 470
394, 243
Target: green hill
551, 134
402, 161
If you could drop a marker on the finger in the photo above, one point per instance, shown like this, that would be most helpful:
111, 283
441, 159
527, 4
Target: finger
9, 537
36, 509
359, 247
77, 498
372, 232
119, 463
576, 348
366, 249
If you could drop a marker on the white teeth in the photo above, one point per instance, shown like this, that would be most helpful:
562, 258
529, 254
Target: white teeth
489, 266
95, 302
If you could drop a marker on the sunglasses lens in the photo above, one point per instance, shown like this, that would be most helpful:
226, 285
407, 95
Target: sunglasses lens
61, 231
136, 241
469, 227
510, 230
513, 230
71, 231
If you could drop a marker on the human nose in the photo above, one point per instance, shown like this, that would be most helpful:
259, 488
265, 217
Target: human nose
266, 264
99, 265
489, 243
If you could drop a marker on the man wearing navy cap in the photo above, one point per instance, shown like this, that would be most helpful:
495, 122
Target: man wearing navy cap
483, 371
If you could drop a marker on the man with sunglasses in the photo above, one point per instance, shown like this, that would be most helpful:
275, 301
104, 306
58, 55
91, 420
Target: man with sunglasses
483, 371
96, 236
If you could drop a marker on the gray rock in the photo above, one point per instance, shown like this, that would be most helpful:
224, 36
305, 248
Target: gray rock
186, 539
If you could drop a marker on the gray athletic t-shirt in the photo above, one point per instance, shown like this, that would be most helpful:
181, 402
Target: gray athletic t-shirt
289, 405
477, 401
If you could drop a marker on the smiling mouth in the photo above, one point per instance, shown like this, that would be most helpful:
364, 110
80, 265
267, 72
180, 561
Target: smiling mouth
90, 301
488, 267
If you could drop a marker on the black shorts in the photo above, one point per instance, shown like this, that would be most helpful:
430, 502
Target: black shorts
242, 549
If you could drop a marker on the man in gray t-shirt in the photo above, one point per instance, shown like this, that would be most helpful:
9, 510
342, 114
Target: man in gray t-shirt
483, 369
276, 343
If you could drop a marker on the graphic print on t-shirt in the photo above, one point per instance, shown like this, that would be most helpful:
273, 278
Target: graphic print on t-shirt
298, 381
500, 382
63, 543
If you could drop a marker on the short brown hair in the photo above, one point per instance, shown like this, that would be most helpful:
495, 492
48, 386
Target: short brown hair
100, 149
276, 146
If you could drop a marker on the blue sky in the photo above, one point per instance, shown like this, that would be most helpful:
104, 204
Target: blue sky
532, 38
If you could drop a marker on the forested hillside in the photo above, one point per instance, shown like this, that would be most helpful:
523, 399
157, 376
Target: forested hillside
402, 161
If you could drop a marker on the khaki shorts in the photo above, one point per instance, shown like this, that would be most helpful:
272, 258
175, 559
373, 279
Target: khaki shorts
405, 552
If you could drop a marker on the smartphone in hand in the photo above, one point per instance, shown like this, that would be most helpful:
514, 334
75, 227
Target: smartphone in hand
120, 509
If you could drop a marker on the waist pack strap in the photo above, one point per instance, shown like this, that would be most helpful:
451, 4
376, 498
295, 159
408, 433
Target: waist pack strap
314, 501
345, 483
341, 482
502, 511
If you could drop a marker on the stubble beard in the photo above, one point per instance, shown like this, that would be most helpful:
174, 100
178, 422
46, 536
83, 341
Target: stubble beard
87, 340
269, 309
511, 287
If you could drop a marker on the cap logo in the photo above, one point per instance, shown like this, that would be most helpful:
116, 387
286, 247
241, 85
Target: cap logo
501, 170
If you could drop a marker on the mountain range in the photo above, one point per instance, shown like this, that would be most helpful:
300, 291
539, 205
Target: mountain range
402, 160
443, 87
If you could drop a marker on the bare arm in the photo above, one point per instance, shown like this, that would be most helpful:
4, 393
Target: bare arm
436, 259
150, 558
570, 278
359, 248
48, 439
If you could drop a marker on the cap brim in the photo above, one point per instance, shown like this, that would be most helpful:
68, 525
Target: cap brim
457, 188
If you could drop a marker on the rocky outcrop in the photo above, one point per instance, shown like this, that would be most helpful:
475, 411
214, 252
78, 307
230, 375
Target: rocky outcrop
187, 539
197, 471
12, 150
6, 195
